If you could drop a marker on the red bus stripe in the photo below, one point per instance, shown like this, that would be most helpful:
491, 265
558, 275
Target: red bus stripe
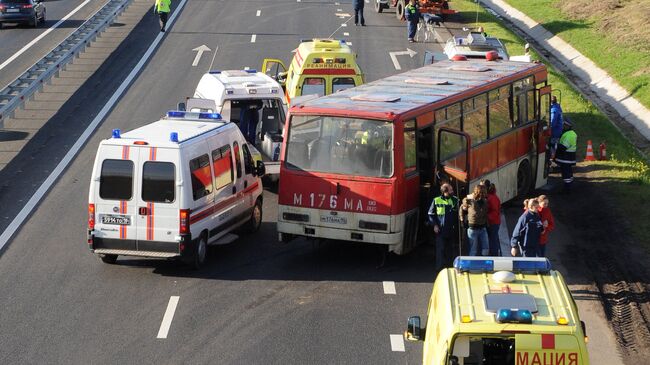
329, 71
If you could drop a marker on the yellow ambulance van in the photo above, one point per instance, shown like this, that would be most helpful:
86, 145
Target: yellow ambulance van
499, 310
319, 67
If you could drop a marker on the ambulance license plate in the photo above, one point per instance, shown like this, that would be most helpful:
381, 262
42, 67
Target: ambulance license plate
13, 10
333, 219
120, 220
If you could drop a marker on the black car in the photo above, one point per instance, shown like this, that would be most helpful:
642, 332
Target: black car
31, 12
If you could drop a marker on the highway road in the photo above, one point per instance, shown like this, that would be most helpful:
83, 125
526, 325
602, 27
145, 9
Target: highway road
22, 46
257, 301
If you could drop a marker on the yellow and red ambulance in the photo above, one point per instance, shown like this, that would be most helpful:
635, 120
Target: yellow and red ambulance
499, 310
319, 67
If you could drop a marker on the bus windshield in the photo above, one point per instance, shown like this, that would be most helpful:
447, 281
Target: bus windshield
348, 146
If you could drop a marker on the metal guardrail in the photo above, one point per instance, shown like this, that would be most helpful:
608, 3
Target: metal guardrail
31, 81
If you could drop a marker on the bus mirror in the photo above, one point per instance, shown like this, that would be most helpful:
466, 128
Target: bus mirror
413, 329
260, 169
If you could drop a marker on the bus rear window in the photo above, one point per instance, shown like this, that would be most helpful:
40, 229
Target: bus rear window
116, 180
158, 182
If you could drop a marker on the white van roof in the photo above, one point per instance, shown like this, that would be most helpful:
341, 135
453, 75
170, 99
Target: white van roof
234, 84
158, 134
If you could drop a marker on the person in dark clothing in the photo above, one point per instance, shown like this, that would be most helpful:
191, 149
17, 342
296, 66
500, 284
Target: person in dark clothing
473, 213
566, 154
412, 15
358, 12
443, 216
248, 119
162, 8
528, 231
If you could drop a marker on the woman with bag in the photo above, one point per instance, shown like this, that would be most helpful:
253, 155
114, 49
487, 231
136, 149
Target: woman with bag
527, 232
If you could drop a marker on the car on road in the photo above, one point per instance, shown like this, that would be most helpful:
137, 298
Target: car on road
500, 310
172, 187
31, 12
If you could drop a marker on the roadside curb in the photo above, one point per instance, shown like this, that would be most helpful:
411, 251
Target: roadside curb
599, 81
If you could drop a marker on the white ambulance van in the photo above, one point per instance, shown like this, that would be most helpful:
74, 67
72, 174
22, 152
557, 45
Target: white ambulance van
250, 99
172, 187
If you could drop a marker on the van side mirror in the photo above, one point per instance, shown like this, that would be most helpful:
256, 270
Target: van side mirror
260, 169
181, 107
413, 329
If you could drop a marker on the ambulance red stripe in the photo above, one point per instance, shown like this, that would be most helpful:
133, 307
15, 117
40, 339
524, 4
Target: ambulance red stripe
329, 71
216, 207
150, 206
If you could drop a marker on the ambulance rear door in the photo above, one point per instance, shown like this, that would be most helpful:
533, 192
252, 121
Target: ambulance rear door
115, 196
158, 197
548, 349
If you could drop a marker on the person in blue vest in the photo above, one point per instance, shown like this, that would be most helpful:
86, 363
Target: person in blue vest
412, 15
443, 216
556, 124
566, 154
526, 235
357, 5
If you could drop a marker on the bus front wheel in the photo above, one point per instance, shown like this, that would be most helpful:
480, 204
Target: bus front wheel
523, 178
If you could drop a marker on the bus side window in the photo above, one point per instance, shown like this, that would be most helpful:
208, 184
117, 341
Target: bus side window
499, 111
409, 145
520, 109
545, 109
531, 106
475, 121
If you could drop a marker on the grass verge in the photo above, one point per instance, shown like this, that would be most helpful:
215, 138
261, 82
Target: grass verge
625, 178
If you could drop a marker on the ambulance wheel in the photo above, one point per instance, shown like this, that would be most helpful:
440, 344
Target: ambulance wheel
108, 259
399, 10
255, 220
201, 253
379, 7
523, 178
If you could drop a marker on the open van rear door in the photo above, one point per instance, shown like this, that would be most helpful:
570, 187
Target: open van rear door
275, 69
453, 159
200, 105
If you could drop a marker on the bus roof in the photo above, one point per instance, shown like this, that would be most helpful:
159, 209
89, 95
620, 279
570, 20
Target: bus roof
545, 291
402, 93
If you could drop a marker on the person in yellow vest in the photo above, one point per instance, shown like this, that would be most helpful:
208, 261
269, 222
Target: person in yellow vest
162, 8
566, 154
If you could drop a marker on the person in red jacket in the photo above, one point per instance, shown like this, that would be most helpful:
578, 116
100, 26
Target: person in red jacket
549, 224
494, 219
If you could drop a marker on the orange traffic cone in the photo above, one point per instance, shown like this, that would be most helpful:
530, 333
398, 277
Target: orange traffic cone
603, 152
590, 152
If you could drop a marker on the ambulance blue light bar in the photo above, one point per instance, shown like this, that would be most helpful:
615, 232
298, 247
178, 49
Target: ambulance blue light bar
526, 265
251, 71
173, 137
214, 72
514, 316
175, 114
117, 133
215, 116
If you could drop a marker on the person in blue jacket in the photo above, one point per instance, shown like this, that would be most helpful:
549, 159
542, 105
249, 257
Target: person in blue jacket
443, 216
556, 124
357, 5
527, 232
412, 15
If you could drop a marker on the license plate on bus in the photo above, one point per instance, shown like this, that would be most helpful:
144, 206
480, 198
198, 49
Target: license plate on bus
333, 219
119, 220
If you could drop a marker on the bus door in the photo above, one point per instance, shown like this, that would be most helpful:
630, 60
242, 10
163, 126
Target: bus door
453, 160
543, 134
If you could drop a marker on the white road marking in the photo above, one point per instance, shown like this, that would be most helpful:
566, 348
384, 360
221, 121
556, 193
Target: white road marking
168, 317
339, 9
397, 343
393, 57
349, 43
199, 53
346, 34
247, 68
344, 25
42, 35
58, 170
259, 12
389, 287
253, 38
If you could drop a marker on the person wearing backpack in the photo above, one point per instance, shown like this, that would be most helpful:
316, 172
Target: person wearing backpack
528, 231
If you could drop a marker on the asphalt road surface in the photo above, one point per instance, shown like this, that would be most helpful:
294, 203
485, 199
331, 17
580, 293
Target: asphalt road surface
257, 301
22, 45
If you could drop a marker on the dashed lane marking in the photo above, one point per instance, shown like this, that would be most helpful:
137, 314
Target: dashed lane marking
349, 43
253, 38
344, 25
247, 68
389, 287
259, 12
81, 141
42, 35
168, 317
397, 343
346, 34
339, 9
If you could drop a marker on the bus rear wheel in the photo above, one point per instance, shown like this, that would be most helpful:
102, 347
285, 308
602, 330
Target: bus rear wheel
400, 9
379, 7
523, 178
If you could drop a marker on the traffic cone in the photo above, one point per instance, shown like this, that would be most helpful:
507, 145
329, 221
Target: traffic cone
603, 152
590, 152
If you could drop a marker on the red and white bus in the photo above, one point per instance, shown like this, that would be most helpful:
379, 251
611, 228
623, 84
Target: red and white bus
363, 165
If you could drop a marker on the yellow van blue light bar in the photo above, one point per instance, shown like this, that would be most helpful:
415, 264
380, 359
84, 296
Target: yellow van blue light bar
528, 265
514, 316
